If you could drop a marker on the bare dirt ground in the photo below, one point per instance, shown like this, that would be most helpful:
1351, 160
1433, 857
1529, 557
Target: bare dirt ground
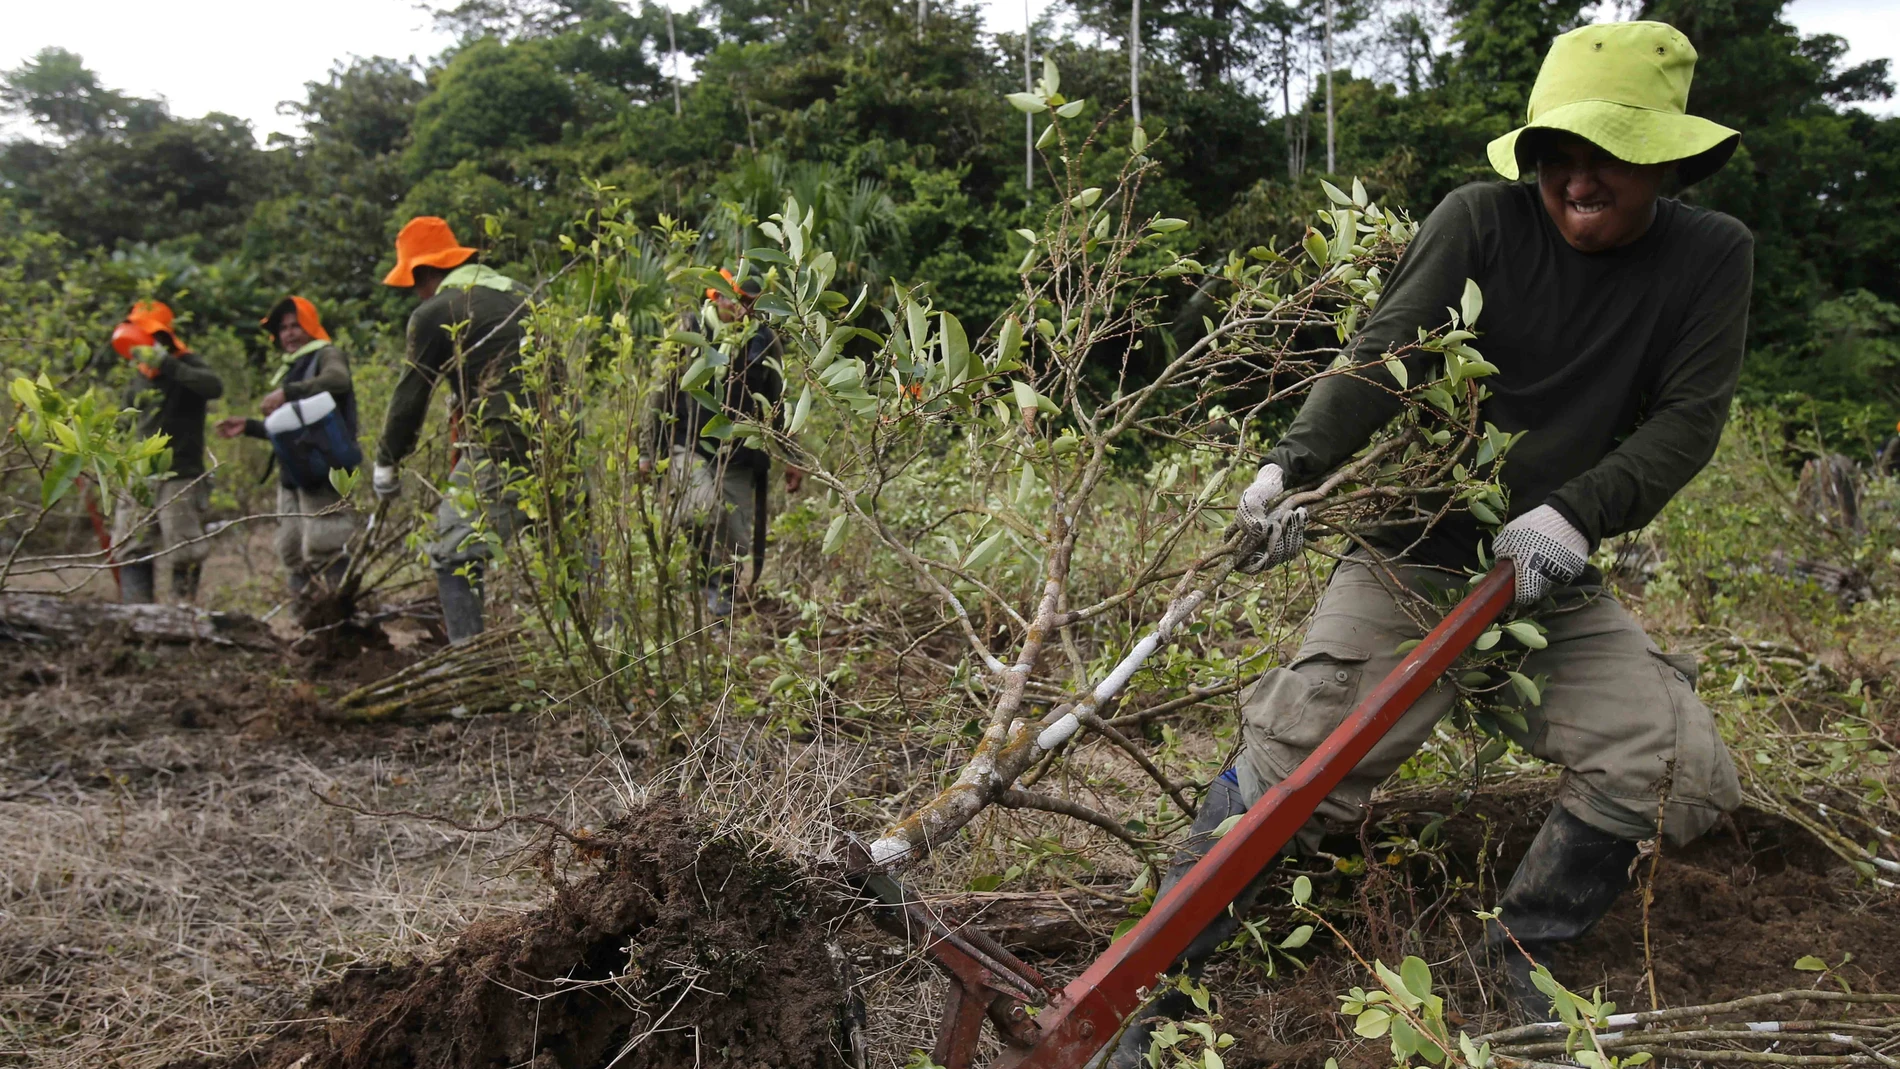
1730, 916
203, 867
172, 880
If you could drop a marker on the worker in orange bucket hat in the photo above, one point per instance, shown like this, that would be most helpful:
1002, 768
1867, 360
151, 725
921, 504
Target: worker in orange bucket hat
467, 332
170, 389
310, 420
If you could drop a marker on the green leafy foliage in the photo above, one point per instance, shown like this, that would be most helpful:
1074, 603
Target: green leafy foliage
65, 433
539, 102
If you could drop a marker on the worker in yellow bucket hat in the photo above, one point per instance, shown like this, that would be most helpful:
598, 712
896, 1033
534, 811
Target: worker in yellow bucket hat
1616, 318
1623, 87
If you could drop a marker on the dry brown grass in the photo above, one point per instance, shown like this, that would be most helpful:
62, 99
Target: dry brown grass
172, 892
180, 893
170, 886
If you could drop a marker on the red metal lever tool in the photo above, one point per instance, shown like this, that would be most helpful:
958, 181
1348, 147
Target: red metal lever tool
1090, 1010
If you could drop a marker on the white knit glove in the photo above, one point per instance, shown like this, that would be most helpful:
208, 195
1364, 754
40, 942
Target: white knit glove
1549, 552
386, 480
1267, 538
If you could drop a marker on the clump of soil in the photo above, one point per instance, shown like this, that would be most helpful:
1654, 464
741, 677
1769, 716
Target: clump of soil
677, 950
1732, 913
333, 637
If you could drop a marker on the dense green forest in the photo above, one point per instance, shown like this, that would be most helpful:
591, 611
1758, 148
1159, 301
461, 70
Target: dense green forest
886, 118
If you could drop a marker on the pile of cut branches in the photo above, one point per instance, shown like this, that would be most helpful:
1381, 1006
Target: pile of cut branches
483, 675
1837, 1028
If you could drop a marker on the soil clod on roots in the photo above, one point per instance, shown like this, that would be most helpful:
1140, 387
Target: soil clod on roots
679, 949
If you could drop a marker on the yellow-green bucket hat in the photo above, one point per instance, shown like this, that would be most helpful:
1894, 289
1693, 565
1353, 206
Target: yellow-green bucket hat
1623, 86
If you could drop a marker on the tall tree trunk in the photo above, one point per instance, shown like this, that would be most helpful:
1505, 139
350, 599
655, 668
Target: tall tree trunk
1134, 58
1306, 135
923, 8
673, 57
1029, 121
1286, 104
1332, 165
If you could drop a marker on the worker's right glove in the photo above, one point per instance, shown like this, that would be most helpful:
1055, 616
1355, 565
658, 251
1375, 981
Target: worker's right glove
1268, 538
149, 360
1548, 551
386, 480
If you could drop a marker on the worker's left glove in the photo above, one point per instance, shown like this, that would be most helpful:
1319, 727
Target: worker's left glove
386, 480
1268, 537
1548, 550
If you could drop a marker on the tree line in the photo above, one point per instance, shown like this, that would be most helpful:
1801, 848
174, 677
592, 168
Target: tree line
882, 116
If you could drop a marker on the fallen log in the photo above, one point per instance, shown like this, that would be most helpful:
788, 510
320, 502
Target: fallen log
49, 618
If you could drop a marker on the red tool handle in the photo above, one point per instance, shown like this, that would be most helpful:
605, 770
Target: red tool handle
1092, 1007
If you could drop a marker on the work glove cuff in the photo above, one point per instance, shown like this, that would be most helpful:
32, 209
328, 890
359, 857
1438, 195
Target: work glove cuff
386, 480
1252, 512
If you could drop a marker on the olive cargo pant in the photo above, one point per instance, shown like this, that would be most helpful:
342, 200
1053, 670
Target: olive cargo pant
1616, 711
173, 529
714, 499
311, 530
481, 509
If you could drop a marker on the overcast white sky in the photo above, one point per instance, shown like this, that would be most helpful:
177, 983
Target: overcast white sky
245, 57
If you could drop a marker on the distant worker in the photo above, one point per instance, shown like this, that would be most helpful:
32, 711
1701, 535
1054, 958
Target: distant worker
310, 421
721, 486
170, 389
467, 334
1617, 319
1887, 461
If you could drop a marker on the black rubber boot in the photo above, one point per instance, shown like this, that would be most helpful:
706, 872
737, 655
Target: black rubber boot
461, 606
138, 583
298, 582
1565, 884
1223, 800
185, 575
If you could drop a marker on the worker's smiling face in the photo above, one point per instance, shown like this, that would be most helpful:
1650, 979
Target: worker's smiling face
1597, 201
290, 333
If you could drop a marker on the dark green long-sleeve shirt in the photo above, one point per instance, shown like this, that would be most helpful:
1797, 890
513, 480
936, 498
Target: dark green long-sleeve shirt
1620, 365
330, 374
174, 403
678, 418
323, 370
470, 338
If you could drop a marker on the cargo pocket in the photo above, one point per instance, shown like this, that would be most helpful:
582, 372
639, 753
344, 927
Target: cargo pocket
1299, 705
1705, 780
1687, 669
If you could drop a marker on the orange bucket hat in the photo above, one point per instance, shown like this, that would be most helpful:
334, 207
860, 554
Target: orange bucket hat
427, 241
748, 289
307, 317
142, 324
